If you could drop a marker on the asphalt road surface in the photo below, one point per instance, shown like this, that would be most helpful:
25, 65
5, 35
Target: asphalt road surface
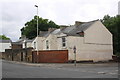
18, 70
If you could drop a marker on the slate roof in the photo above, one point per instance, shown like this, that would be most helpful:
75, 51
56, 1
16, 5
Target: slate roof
85, 25
70, 31
73, 30
28, 40
47, 33
20, 41
16, 43
5, 41
44, 34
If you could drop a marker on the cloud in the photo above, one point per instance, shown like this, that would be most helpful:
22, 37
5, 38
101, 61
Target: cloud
15, 13
14, 16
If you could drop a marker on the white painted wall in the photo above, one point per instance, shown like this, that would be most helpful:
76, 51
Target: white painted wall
28, 44
4, 46
88, 51
39, 43
98, 34
71, 42
59, 41
52, 41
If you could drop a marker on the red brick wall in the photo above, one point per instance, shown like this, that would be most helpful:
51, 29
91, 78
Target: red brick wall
51, 56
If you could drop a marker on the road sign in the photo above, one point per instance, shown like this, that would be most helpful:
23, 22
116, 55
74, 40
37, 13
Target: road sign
74, 49
74, 55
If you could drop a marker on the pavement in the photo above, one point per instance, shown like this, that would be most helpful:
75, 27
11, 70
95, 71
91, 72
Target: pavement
60, 65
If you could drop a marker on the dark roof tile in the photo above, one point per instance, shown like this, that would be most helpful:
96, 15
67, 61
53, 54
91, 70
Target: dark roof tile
5, 41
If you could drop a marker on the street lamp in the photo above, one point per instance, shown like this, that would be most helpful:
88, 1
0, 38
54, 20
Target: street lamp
37, 19
37, 32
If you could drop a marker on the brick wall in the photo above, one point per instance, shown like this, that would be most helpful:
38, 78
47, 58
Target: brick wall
50, 56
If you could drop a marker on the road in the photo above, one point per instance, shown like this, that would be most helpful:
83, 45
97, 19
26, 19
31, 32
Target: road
18, 70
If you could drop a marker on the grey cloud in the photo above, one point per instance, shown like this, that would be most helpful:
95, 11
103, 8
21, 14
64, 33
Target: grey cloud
16, 13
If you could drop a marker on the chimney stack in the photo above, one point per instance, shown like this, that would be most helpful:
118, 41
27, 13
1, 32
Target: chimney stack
77, 23
51, 29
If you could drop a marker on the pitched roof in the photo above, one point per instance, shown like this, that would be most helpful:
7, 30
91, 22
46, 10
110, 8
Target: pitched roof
73, 30
70, 31
5, 41
20, 41
57, 31
47, 33
85, 25
16, 43
28, 40
44, 34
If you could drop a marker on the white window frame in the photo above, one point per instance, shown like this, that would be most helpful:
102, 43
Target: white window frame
34, 45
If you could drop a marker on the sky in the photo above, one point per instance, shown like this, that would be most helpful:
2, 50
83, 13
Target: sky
15, 13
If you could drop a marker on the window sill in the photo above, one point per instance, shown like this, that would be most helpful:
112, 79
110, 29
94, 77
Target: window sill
64, 47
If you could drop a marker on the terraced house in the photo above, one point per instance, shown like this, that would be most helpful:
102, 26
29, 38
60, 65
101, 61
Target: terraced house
92, 40
5, 44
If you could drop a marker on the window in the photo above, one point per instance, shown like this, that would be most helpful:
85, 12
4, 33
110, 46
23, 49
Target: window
81, 34
47, 44
25, 44
63, 42
34, 45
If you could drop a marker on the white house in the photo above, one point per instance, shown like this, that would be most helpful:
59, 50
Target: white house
5, 44
26, 43
92, 40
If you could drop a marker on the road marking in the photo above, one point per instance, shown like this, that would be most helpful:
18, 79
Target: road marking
112, 73
101, 73
116, 70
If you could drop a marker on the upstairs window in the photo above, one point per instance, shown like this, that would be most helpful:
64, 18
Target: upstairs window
81, 33
34, 45
47, 44
63, 42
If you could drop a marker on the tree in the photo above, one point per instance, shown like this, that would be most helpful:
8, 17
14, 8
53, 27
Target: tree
30, 28
113, 25
3, 37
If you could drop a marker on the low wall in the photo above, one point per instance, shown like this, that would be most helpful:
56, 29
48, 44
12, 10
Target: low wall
18, 54
1, 55
50, 56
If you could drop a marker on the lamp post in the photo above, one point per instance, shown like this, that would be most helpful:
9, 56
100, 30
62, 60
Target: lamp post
37, 19
37, 33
